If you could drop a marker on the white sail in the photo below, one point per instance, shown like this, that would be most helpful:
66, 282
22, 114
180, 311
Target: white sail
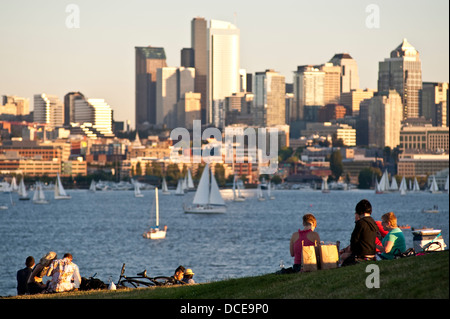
60, 193
215, 198
22, 190
324, 186
446, 185
93, 187
434, 187
394, 185
237, 196
190, 182
39, 196
403, 188
416, 187
202, 194
165, 189
155, 232
179, 190
383, 186
14, 187
259, 193
137, 190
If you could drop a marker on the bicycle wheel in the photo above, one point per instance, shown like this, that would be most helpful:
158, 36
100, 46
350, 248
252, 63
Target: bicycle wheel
133, 283
163, 281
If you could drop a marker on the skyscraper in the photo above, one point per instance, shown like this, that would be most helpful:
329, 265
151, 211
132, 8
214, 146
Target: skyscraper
172, 84
308, 92
48, 109
223, 68
199, 40
94, 111
148, 60
69, 106
349, 71
403, 72
269, 99
433, 102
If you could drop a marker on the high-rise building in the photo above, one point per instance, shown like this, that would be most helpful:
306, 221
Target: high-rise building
96, 112
384, 119
433, 102
187, 58
14, 105
148, 60
308, 92
331, 83
223, 68
188, 110
402, 72
48, 109
171, 85
199, 45
69, 106
352, 100
349, 71
269, 98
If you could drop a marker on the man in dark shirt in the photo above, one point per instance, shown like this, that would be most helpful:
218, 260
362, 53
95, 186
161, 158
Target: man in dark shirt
23, 275
362, 241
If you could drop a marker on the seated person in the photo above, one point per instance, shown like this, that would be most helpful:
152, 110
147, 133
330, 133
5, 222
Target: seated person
394, 241
307, 236
380, 235
362, 241
65, 275
187, 278
177, 277
35, 283
23, 275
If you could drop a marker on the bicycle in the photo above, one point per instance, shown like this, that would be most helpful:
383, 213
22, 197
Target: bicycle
142, 280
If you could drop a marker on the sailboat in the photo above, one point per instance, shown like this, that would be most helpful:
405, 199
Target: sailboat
155, 232
259, 193
190, 181
179, 191
137, 190
93, 187
434, 189
23, 194
207, 199
325, 185
237, 196
383, 186
394, 185
416, 187
60, 193
39, 196
165, 189
269, 191
446, 185
403, 188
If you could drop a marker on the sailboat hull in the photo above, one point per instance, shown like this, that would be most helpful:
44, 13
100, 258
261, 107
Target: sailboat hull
63, 197
205, 210
155, 234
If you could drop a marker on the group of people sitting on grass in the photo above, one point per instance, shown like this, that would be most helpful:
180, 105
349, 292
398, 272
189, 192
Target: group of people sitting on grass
370, 239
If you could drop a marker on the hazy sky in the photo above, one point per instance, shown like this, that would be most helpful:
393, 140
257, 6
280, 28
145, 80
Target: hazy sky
40, 53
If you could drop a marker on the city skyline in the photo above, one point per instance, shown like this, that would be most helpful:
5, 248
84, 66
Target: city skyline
41, 54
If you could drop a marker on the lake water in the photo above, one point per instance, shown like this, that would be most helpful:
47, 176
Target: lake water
103, 230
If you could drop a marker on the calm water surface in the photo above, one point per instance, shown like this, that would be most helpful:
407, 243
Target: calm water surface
103, 230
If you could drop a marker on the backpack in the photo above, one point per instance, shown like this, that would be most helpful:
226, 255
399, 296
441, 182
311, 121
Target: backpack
92, 283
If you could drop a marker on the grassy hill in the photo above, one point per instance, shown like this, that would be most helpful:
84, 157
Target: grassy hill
420, 277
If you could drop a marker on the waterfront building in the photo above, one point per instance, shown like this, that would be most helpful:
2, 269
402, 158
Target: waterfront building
97, 112
410, 164
424, 138
148, 60
402, 72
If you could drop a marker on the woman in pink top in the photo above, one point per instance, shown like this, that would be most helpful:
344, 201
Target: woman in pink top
308, 236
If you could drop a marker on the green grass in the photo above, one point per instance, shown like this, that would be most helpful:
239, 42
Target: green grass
418, 277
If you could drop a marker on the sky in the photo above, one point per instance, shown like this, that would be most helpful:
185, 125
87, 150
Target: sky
42, 51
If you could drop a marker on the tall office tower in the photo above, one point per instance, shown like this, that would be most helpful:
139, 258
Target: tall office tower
199, 44
48, 109
171, 85
69, 106
269, 99
308, 92
351, 100
332, 83
94, 111
148, 60
187, 58
223, 68
433, 102
403, 72
188, 110
384, 119
349, 71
